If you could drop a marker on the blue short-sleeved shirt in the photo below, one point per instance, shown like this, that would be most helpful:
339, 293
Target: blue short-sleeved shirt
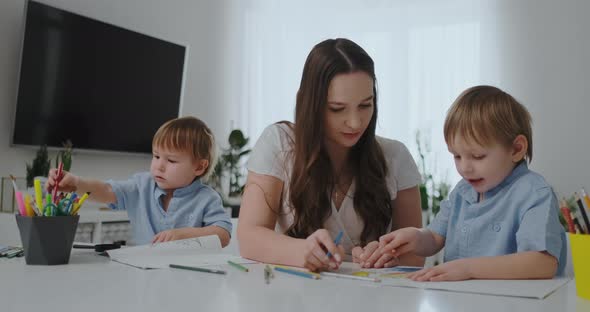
520, 214
195, 205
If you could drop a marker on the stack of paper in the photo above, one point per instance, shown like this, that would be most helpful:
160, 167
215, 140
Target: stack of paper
199, 251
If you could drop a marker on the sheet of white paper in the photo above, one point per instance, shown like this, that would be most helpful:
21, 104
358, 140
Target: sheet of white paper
199, 251
513, 288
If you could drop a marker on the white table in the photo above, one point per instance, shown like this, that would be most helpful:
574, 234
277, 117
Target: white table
94, 283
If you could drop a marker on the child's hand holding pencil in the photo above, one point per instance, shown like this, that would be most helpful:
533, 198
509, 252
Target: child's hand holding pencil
65, 181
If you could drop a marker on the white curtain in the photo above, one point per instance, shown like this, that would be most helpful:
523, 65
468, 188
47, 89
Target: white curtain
425, 53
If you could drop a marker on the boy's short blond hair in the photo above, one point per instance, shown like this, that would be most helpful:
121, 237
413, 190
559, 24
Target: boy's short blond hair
188, 134
485, 115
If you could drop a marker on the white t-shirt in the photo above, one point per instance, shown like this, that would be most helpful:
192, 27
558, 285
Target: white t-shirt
272, 156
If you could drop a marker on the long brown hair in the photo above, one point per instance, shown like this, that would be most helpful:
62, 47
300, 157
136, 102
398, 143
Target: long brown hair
312, 178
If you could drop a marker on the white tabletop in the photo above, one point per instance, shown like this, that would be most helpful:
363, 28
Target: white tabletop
94, 283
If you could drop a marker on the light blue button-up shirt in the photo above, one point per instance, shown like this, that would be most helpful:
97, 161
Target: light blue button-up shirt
195, 205
520, 214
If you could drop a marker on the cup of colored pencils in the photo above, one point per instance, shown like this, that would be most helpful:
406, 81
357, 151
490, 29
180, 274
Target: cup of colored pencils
47, 224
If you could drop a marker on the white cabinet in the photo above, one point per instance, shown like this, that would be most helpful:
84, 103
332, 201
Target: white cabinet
98, 225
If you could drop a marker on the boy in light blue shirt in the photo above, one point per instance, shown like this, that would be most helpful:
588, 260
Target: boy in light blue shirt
170, 202
501, 220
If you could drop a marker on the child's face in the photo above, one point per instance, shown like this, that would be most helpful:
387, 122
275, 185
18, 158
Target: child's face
174, 169
483, 167
349, 108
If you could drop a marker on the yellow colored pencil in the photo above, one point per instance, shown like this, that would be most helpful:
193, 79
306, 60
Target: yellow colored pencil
83, 198
28, 206
79, 204
38, 194
75, 209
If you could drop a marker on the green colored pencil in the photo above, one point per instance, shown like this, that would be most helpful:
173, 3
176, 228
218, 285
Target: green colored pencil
237, 266
184, 267
13, 253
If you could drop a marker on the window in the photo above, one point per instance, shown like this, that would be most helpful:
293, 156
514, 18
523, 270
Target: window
425, 54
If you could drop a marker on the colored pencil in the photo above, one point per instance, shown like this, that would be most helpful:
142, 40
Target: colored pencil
297, 272
354, 277
237, 266
583, 212
191, 268
336, 242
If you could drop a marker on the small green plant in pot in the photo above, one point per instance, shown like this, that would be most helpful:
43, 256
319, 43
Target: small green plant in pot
65, 156
423, 150
230, 163
42, 163
432, 192
39, 167
231, 159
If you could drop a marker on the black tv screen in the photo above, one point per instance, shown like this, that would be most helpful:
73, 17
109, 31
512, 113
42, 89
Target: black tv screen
101, 86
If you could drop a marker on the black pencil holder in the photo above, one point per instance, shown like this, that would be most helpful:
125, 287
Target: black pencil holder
47, 240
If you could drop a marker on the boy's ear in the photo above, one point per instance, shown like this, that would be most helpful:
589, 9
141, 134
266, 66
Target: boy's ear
201, 166
520, 146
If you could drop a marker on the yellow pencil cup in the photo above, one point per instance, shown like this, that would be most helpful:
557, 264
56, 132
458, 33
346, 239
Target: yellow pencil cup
581, 258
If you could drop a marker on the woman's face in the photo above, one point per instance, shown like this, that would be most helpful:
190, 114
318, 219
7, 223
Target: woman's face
349, 108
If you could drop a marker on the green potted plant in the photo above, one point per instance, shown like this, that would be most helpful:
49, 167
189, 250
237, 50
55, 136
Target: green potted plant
432, 192
39, 167
230, 164
42, 163
231, 160
423, 149
433, 189
65, 156
440, 192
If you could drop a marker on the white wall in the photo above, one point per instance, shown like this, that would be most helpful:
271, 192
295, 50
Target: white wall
545, 53
535, 49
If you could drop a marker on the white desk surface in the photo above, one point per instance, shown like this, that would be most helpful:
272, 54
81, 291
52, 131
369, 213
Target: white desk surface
94, 283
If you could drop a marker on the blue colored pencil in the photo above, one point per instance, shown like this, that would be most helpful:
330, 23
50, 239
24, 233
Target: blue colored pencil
297, 272
336, 242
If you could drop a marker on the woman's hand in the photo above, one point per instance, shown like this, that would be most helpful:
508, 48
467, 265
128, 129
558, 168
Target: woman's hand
315, 253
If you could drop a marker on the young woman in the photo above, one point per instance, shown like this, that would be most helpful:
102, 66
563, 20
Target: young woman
328, 172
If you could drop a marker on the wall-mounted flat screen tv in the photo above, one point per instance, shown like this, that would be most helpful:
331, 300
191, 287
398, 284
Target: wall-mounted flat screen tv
100, 86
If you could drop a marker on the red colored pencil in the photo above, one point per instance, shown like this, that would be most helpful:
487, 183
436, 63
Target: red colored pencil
568, 219
60, 170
